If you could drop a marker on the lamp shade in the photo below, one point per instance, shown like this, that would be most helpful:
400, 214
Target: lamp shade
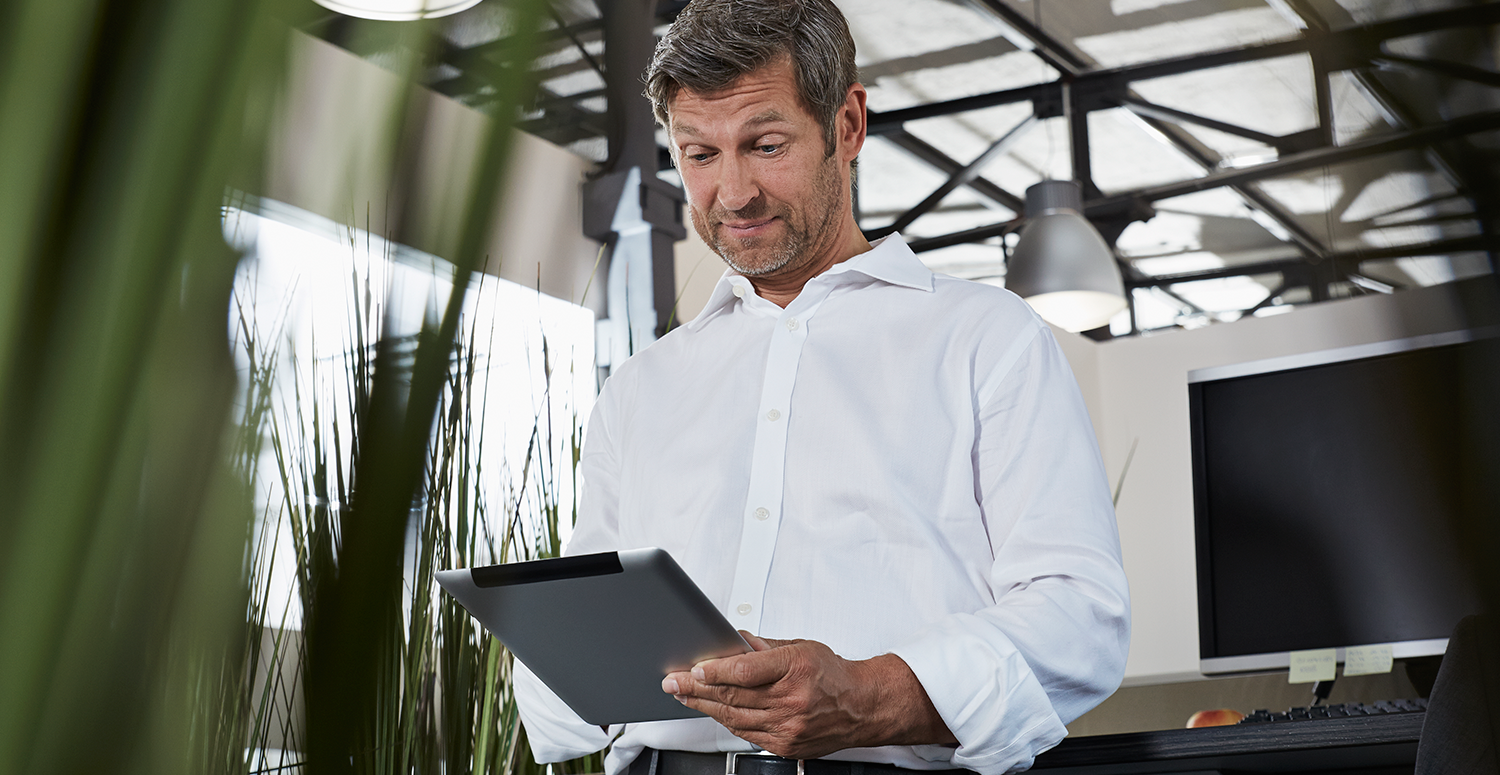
397, 10
1061, 266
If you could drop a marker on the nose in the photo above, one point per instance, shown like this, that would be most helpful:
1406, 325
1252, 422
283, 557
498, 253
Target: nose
737, 186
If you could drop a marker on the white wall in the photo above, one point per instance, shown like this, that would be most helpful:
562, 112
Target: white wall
698, 269
1139, 391
335, 148
1083, 356
333, 151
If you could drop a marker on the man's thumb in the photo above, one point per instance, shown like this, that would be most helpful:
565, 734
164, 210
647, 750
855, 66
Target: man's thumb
764, 644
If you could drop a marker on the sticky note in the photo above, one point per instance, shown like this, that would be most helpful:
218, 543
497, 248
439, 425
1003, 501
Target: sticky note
1364, 660
1313, 665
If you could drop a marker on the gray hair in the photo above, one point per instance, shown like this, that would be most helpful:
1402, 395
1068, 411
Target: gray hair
714, 42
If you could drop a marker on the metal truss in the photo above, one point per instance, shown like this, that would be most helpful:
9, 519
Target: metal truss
948, 166
1082, 88
1079, 91
1335, 264
960, 177
1312, 159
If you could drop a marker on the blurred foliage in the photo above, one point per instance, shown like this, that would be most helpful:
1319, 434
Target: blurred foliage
126, 570
122, 547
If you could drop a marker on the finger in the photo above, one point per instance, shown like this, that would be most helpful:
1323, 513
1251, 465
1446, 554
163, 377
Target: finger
757, 698
764, 644
756, 642
741, 721
764, 728
757, 668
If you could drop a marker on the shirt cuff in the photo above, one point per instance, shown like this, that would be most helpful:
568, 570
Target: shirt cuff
986, 693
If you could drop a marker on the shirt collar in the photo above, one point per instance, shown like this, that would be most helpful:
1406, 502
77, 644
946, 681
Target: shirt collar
888, 260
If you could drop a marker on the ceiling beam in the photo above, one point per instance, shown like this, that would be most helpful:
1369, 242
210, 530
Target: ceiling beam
1207, 158
977, 234
1143, 108
1346, 262
589, 29
1270, 299
962, 177
980, 185
1054, 52
1318, 157
1450, 69
891, 121
1098, 89
1158, 118
1346, 48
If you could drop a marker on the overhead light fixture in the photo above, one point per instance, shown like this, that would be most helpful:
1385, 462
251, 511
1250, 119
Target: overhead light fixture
397, 10
1060, 265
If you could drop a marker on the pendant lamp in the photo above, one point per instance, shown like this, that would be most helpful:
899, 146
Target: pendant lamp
1061, 266
397, 10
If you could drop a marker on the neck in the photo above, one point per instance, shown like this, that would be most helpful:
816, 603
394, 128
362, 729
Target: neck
839, 245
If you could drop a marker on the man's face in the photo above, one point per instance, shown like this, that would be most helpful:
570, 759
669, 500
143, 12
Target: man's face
761, 189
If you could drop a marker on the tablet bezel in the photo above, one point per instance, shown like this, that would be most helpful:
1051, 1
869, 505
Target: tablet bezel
600, 630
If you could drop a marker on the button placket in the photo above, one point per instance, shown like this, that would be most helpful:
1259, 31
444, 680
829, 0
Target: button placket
768, 461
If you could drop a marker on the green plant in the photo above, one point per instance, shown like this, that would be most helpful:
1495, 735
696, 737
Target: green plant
124, 571
125, 522
443, 699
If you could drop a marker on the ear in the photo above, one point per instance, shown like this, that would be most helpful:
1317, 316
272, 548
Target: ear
852, 123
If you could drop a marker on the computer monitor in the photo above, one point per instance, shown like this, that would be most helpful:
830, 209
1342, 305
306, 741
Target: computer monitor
1326, 487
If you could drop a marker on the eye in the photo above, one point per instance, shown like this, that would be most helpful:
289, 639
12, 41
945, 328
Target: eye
699, 157
767, 148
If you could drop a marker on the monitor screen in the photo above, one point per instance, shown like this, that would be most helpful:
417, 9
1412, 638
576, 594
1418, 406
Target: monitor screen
1325, 491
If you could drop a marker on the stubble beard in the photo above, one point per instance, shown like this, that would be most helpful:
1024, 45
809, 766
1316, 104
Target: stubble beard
795, 247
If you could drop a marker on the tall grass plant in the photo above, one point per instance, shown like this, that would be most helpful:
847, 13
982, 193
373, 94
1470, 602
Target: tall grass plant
126, 570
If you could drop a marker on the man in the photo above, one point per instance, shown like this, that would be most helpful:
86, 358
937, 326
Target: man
888, 476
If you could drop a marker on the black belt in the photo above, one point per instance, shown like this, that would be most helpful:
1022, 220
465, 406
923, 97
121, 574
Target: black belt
654, 762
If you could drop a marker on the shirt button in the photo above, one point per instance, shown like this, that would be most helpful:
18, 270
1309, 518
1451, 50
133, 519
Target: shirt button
739, 293
762, 514
744, 609
791, 324
773, 415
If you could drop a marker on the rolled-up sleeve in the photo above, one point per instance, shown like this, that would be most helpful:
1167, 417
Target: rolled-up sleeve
1009, 677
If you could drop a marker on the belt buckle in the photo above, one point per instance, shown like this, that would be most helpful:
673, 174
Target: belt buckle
732, 759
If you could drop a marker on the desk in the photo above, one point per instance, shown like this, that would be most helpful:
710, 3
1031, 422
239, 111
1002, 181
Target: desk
1311, 745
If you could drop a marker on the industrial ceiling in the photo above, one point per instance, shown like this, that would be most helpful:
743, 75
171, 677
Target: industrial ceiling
1243, 156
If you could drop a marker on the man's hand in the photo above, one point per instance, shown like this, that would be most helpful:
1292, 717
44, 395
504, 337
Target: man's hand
798, 699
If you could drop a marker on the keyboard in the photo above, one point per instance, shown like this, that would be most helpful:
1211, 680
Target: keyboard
1340, 710
1382, 742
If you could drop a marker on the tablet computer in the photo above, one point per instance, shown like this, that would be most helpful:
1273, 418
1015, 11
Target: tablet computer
600, 630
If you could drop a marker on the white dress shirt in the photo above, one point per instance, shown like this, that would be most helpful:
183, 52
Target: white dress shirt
898, 462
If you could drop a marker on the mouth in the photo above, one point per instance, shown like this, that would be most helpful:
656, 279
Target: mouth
747, 229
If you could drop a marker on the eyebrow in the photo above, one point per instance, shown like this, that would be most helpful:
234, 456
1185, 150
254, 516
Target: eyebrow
768, 117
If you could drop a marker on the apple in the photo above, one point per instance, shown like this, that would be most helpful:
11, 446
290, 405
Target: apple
1222, 717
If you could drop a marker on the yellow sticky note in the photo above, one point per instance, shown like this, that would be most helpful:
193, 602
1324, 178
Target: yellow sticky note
1313, 665
1364, 660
